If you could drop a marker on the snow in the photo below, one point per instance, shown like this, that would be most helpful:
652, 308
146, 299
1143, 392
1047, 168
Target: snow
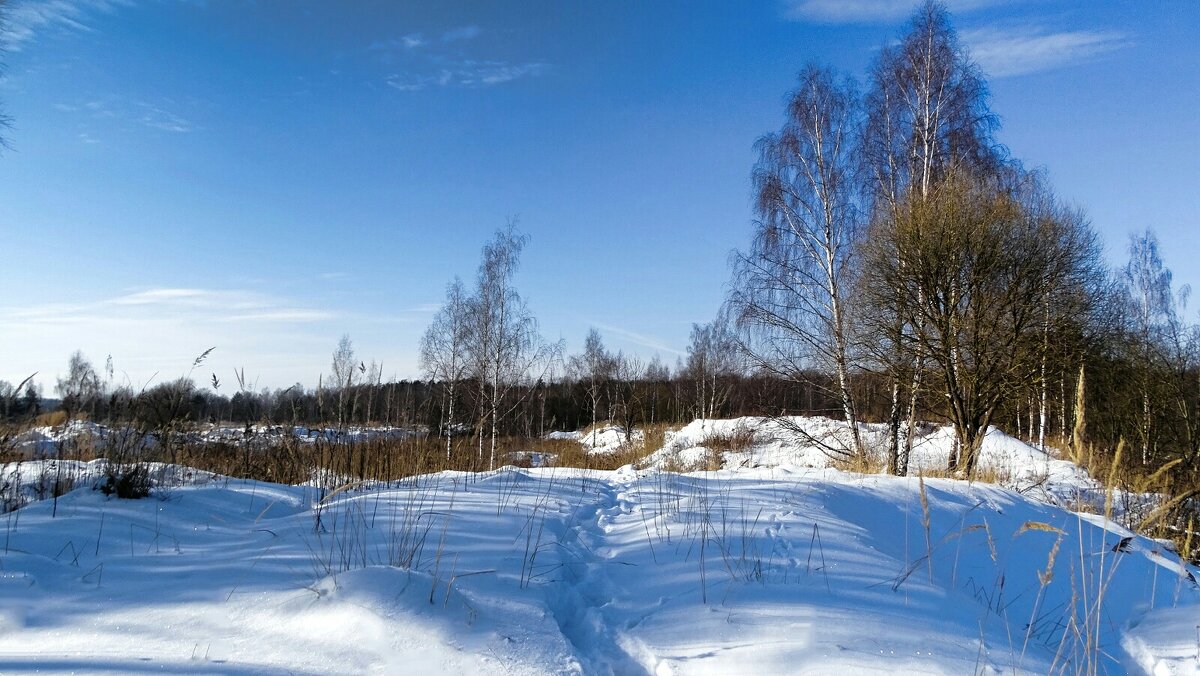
815, 442
608, 439
769, 566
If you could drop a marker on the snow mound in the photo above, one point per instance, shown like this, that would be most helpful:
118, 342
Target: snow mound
816, 442
609, 439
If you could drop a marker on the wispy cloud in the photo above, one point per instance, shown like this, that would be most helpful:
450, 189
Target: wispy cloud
25, 20
164, 120
404, 42
462, 33
1009, 52
175, 304
155, 333
446, 61
466, 73
639, 339
866, 11
161, 115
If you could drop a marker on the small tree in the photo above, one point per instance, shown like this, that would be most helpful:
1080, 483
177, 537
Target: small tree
444, 355
81, 386
593, 369
344, 367
712, 361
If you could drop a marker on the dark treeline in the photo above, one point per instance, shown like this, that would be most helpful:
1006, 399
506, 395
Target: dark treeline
558, 403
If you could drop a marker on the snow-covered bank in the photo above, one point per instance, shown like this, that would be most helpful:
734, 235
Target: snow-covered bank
547, 571
813, 442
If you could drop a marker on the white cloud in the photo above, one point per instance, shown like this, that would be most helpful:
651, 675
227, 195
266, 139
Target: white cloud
407, 42
158, 115
25, 20
1009, 52
157, 118
175, 304
469, 32
160, 330
444, 61
866, 11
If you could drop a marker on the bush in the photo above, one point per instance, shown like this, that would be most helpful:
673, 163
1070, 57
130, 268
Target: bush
127, 483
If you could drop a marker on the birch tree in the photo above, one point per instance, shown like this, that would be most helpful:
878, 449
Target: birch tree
504, 347
711, 360
926, 115
1148, 285
343, 367
444, 354
790, 290
593, 369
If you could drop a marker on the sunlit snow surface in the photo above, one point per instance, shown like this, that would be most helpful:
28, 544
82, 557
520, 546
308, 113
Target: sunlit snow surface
771, 567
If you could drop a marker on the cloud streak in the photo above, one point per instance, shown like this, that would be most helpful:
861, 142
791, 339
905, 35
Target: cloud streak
639, 339
26, 20
442, 62
866, 11
1012, 52
467, 73
181, 305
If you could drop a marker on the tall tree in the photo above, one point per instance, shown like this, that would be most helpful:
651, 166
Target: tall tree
504, 345
1152, 301
926, 116
970, 267
790, 289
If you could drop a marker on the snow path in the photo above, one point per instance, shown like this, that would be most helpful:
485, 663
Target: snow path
551, 571
584, 602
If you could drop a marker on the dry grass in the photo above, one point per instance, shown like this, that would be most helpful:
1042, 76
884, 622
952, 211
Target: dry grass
861, 464
574, 454
737, 441
52, 419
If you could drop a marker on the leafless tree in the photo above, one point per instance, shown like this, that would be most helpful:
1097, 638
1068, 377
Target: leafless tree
790, 289
444, 355
593, 369
344, 367
926, 116
81, 386
713, 358
504, 345
1156, 323
628, 391
970, 268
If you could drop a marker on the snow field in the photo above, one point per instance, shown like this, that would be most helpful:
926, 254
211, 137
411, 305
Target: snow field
548, 571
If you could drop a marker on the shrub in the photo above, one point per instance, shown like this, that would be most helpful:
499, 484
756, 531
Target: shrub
127, 483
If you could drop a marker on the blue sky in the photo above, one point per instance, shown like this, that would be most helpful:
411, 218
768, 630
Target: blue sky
264, 177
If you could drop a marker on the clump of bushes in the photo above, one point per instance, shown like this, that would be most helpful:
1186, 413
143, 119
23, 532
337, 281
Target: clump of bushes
126, 483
